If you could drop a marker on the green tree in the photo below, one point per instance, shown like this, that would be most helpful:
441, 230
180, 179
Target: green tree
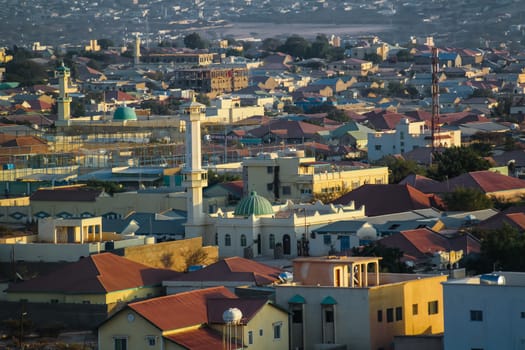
467, 199
271, 44
502, 249
204, 99
404, 56
400, 168
320, 48
26, 72
391, 257
455, 161
296, 45
105, 43
194, 41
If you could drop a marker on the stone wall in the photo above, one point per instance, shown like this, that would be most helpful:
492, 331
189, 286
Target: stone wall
170, 255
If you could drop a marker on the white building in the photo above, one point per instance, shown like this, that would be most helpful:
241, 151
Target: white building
228, 110
256, 228
485, 312
408, 136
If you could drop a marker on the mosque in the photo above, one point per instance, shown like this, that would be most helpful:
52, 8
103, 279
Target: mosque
255, 227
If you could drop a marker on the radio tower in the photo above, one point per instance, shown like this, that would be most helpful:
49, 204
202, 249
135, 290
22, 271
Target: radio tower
435, 98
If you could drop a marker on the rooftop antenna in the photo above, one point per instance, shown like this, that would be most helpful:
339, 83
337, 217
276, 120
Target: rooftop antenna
435, 98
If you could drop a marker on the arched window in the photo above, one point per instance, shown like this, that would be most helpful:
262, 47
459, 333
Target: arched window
272, 241
227, 240
243, 240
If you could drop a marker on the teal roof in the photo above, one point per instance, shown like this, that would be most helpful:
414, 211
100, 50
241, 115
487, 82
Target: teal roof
297, 299
8, 85
328, 301
63, 68
124, 113
253, 205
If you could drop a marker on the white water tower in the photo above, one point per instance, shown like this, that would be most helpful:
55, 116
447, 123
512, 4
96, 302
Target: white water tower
233, 333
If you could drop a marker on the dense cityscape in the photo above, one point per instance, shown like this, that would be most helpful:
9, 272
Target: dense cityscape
262, 175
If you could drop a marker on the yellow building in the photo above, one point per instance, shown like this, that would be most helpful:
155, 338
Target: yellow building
102, 279
292, 176
345, 301
195, 320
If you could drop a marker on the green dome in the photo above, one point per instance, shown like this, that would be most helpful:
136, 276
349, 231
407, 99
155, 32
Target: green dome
124, 113
253, 205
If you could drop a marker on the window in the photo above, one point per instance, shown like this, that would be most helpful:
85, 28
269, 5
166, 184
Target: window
277, 330
414, 309
250, 337
327, 239
272, 240
476, 315
269, 169
399, 313
227, 240
121, 343
379, 315
261, 332
377, 147
151, 340
433, 307
522, 314
329, 316
390, 315
216, 238
297, 315
243, 240
287, 190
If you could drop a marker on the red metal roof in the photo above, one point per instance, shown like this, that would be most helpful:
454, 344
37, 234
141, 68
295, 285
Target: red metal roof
486, 181
66, 194
248, 307
388, 199
198, 339
96, 274
180, 310
235, 269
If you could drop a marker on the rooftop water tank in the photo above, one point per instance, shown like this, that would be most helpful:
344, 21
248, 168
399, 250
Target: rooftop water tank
492, 279
232, 316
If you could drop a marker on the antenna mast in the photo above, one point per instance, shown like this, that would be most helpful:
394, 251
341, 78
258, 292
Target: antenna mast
435, 97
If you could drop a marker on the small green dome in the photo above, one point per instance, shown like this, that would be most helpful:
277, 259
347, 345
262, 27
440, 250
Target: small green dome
253, 205
124, 113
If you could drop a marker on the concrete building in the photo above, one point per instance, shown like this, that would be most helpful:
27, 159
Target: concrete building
210, 80
346, 303
290, 175
408, 136
485, 312
181, 58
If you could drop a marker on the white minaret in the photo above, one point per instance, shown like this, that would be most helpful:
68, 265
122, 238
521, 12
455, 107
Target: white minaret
136, 51
194, 177
63, 100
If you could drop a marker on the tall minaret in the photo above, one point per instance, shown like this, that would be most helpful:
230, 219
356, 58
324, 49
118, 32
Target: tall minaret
136, 51
194, 177
63, 101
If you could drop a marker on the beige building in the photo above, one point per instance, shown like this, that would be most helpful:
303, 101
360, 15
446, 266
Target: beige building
194, 320
292, 176
346, 303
